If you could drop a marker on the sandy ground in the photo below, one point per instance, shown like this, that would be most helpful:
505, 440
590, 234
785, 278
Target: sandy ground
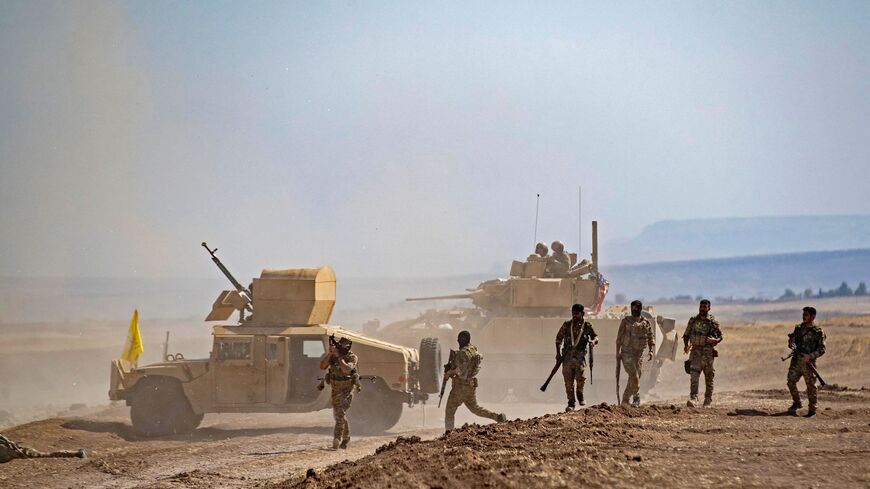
740, 442
745, 441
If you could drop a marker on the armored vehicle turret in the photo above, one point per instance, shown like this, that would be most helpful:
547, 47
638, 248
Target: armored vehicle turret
269, 361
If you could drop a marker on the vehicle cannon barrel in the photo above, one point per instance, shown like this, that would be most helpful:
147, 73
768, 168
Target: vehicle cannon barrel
441, 297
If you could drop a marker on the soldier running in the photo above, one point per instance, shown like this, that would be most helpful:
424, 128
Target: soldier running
808, 343
634, 335
701, 336
464, 387
342, 364
577, 334
9, 450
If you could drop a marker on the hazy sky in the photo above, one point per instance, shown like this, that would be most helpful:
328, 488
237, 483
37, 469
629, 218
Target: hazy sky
391, 138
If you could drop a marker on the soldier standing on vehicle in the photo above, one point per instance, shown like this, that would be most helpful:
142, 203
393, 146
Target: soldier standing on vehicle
10, 450
807, 342
576, 334
342, 364
701, 336
635, 334
464, 387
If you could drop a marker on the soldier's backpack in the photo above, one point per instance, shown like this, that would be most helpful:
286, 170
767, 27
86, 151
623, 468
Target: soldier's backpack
474, 364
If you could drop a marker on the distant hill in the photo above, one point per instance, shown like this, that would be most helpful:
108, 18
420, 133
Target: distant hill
717, 238
761, 276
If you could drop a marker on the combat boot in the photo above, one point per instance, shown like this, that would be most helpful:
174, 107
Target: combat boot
82, 453
501, 418
570, 407
692, 402
708, 401
344, 443
580, 400
794, 408
336, 443
636, 401
811, 412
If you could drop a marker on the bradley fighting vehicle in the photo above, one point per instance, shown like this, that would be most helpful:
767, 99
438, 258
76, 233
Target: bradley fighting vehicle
514, 323
268, 362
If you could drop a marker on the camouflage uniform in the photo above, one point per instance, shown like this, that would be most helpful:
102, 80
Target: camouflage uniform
464, 388
701, 357
10, 450
809, 340
342, 395
634, 337
576, 339
558, 264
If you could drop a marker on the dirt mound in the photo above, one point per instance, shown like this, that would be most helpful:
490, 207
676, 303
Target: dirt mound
742, 442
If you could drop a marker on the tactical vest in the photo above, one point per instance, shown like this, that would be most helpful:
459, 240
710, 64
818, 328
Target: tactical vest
334, 374
699, 329
575, 344
634, 337
807, 340
470, 362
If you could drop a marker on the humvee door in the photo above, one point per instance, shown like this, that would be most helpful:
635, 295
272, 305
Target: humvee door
239, 364
305, 355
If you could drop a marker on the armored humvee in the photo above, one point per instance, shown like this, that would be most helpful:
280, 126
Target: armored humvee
514, 323
269, 362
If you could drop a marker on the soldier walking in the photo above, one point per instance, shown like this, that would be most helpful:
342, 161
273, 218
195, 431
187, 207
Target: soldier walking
577, 335
464, 387
701, 336
634, 335
807, 342
9, 450
342, 364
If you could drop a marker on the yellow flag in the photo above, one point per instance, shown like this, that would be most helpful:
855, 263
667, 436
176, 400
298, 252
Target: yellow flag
133, 346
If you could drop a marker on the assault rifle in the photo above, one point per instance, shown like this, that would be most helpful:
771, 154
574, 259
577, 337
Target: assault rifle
332, 341
618, 372
552, 373
811, 364
447, 367
591, 360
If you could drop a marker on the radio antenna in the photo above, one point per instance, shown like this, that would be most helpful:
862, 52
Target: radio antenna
580, 221
537, 206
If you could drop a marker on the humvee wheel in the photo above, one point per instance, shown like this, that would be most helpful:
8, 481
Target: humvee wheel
374, 410
159, 408
430, 366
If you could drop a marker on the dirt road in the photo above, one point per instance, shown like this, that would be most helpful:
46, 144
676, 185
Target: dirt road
229, 450
744, 441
